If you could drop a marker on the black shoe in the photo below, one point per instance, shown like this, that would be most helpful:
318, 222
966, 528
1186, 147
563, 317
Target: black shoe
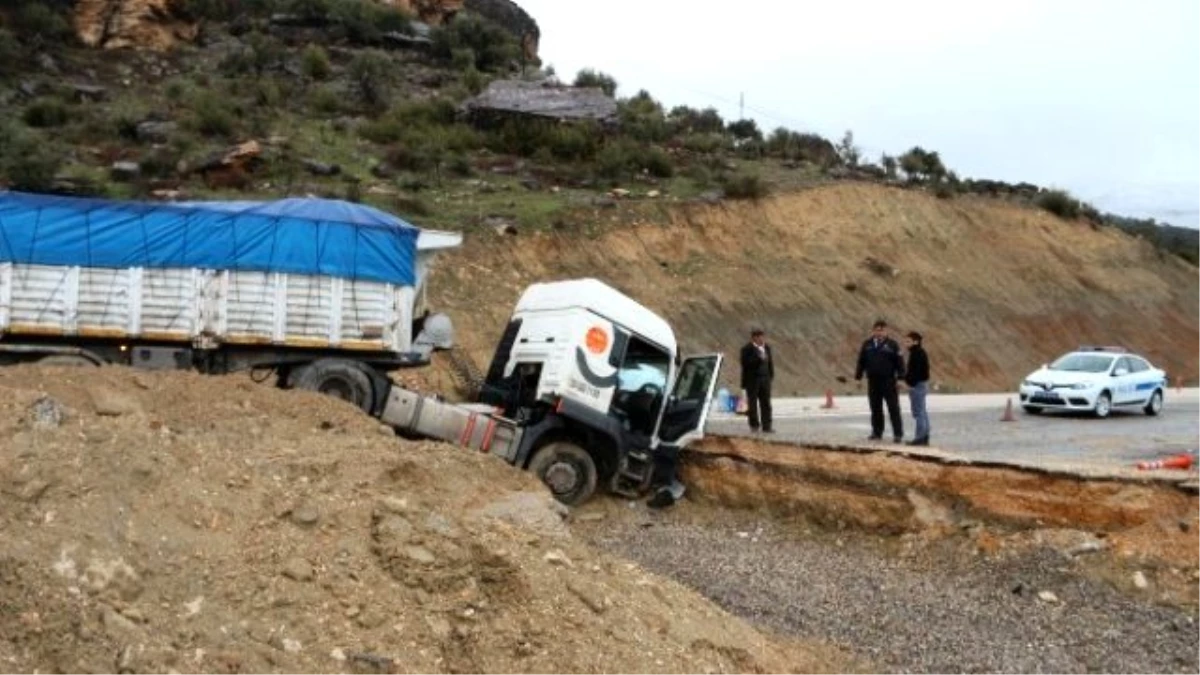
918, 441
897, 439
768, 431
661, 499
875, 437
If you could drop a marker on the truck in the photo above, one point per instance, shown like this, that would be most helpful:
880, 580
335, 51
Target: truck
586, 388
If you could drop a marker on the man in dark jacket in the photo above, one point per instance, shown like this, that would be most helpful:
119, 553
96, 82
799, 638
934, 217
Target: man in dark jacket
880, 360
917, 379
758, 370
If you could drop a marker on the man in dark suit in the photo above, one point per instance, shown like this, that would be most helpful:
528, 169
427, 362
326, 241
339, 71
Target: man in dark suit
758, 370
880, 360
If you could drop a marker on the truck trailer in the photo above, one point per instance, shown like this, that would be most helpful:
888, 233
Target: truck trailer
586, 387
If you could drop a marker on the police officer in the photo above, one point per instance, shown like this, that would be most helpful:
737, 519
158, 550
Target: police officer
880, 360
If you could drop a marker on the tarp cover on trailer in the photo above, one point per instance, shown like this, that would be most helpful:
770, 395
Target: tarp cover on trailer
297, 236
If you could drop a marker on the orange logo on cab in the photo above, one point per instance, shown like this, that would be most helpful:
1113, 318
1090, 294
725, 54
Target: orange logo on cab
597, 340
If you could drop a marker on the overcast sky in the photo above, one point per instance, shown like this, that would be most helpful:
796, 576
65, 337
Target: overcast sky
1100, 97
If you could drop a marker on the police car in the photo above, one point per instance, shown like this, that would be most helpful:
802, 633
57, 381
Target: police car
1095, 379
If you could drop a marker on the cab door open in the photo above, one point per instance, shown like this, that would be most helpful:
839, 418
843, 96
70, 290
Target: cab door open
683, 418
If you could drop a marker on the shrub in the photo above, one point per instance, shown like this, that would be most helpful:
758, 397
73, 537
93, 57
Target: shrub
691, 121
46, 113
745, 129
211, 116
1060, 203
642, 118
707, 144
919, 163
38, 23
365, 22
370, 71
847, 151
745, 186
325, 100
493, 47
411, 206
574, 143
27, 163
314, 63
619, 160
594, 78
474, 81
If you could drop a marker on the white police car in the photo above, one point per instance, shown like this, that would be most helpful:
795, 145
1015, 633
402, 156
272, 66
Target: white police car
1097, 379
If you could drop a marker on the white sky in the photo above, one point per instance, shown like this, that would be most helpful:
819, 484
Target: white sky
1100, 97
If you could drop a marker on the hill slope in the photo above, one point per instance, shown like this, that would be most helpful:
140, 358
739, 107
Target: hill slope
996, 288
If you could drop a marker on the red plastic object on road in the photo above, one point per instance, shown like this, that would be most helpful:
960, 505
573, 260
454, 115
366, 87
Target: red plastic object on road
1008, 413
1181, 461
828, 405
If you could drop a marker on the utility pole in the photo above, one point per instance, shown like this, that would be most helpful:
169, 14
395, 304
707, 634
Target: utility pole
742, 105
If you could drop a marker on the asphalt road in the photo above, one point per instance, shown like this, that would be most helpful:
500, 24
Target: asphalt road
969, 427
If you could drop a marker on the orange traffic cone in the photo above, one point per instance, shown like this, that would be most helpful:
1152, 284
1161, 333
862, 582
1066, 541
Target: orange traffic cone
1181, 461
828, 400
1008, 413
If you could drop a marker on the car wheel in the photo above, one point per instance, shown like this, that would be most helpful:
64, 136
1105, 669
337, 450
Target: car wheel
1155, 404
567, 469
1032, 409
1103, 405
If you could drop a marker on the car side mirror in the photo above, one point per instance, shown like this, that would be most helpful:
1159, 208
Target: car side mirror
1121, 371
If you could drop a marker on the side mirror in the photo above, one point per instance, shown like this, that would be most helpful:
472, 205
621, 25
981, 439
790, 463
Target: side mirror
1120, 371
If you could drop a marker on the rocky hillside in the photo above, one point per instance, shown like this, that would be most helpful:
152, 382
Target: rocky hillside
996, 289
430, 109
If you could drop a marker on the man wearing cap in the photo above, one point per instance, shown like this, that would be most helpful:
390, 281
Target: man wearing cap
758, 370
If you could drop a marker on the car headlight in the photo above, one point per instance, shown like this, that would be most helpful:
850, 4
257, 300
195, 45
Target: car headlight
1027, 383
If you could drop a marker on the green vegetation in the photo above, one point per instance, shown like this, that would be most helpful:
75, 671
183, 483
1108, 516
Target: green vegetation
326, 82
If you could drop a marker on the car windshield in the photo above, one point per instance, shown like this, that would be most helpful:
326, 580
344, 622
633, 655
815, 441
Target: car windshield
1083, 363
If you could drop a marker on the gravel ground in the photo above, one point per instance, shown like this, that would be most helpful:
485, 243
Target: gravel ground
915, 614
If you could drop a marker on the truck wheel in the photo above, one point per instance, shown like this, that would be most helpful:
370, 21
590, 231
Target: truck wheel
339, 378
567, 469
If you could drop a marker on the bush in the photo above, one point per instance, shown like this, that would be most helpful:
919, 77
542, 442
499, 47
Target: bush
619, 160
27, 163
707, 144
745, 186
370, 71
211, 115
38, 23
46, 113
594, 78
1060, 203
493, 47
745, 130
687, 120
314, 63
325, 100
365, 21
642, 118
574, 143
919, 163
227, 10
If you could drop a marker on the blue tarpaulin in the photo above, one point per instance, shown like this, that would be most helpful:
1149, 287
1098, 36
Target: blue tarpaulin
298, 236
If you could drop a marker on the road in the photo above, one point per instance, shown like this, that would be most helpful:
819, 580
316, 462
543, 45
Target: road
968, 426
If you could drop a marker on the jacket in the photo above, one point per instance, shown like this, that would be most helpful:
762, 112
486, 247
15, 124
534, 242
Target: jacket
752, 364
880, 363
918, 366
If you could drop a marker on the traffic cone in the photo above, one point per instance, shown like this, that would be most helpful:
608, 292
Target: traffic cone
1008, 413
1181, 461
828, 400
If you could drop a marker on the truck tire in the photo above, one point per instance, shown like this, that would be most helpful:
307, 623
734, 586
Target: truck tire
340, 378
567, 469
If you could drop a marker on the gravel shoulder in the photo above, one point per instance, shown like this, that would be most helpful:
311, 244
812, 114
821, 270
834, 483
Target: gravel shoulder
910, 603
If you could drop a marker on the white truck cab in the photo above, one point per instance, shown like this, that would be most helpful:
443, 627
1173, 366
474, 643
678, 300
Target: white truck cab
586, 385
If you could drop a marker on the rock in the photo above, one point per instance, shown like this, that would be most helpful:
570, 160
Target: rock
396, 505
711, 197
297, 569
420, 554
503, 226
1047, 596
125, 171
928, 512
47, 413
589, 595
337, 655
306, 514
86, 93
535, 512
152, 131
141, 24
654, 194
1094, 546
111, 403
47, 62
618, 193
531, 184
605, 203
1139, 580
590, 517
558, 558
393, 530
321, 168
115, 625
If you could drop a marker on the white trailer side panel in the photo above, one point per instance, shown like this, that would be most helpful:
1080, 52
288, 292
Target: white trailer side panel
242, 307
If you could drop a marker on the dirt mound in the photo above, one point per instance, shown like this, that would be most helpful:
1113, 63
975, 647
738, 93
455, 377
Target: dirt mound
995, 288
157, 522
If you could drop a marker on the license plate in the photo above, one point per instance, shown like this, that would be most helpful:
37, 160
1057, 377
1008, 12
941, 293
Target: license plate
1045, 398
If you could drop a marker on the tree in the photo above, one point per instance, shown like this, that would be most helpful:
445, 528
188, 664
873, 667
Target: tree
921, 164
889, 164
594, 78
847, 151
745, 130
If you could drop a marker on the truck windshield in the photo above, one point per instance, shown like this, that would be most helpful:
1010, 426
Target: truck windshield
1083, 363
